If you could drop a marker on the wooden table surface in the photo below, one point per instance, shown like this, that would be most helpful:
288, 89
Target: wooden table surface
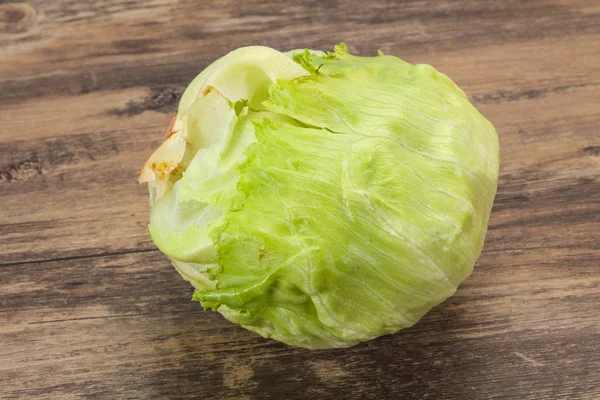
90, 309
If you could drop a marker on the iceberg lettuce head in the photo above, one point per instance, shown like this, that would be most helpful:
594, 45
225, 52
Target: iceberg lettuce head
322, 199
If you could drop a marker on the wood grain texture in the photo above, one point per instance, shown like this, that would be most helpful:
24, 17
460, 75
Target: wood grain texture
88, 307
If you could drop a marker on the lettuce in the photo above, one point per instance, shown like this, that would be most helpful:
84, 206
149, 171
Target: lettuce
322, 199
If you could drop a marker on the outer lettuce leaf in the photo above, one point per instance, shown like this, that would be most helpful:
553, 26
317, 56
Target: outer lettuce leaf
245, 73
214, 129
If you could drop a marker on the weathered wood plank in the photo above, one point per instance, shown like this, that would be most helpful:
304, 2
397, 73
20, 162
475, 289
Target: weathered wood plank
75, 194
172, 53
139, 336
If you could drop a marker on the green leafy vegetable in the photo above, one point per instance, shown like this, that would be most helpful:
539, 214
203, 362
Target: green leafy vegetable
322, 199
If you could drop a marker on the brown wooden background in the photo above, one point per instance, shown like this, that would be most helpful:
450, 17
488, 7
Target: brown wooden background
89, 308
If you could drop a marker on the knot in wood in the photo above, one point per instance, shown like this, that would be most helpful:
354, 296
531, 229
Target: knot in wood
16, 17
